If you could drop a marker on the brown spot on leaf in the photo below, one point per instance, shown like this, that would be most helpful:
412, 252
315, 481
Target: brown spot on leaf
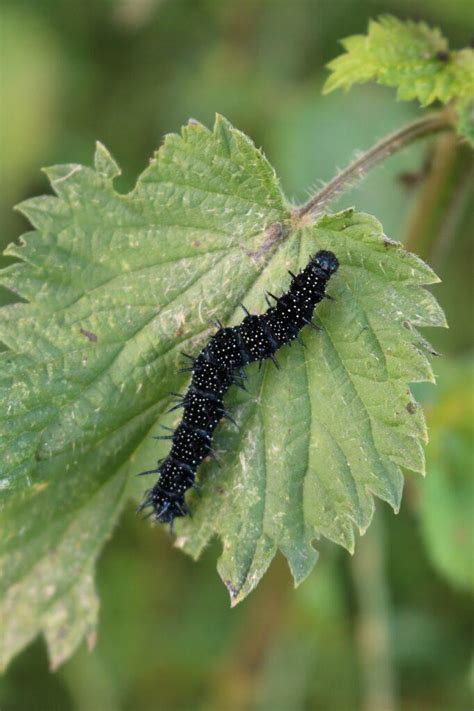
274, 233
411, 408
89, 335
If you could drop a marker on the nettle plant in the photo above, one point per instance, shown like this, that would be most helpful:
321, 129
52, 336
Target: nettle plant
114, 287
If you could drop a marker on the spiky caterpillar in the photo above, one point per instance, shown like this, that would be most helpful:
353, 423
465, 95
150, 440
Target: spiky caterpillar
215, 369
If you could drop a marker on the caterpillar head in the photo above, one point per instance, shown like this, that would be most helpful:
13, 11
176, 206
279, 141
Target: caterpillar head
327, 261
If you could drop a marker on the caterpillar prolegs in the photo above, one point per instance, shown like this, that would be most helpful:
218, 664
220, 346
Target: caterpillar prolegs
219, 365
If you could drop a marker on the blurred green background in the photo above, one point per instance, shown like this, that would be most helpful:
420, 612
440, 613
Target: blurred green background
390, 628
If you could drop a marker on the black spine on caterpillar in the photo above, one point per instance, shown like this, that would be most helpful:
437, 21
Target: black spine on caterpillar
219, 365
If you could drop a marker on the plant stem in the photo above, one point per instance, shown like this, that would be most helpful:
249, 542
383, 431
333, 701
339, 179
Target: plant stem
432, 123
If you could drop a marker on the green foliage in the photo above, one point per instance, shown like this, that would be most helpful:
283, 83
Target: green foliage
446, 504
116, 286
334, 426
414, 58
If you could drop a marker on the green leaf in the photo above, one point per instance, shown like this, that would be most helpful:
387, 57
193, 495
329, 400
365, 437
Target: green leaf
413, 57
332, 428
446, 501
116, 286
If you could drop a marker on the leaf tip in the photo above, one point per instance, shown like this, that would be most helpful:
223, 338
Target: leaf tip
234, 593
194, 122
104, 164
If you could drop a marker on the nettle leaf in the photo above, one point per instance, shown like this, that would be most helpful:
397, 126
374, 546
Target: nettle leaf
115, 287
332, 428
413, 57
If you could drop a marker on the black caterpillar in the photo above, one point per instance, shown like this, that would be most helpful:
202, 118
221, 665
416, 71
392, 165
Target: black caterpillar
218, 366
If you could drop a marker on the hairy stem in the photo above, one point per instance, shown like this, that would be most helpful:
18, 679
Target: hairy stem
432, 123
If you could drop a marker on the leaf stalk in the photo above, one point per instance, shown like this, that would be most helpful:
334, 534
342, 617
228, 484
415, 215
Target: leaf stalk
394, 142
